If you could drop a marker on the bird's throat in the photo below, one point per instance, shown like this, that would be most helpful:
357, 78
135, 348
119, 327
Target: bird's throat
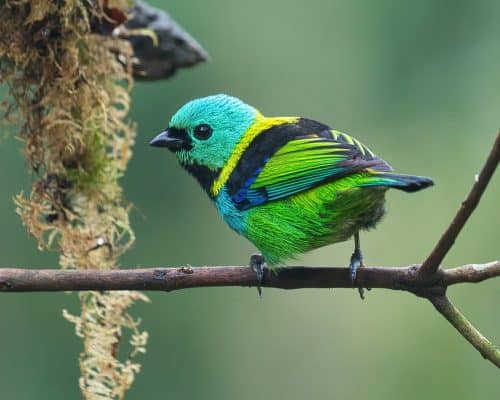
204, 175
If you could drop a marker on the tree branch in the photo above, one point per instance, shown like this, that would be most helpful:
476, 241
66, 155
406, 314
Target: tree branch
169, 279
431, 264
426, 280
300, 277
466, 329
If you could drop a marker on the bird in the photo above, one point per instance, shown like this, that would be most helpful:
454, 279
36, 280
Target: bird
287, 184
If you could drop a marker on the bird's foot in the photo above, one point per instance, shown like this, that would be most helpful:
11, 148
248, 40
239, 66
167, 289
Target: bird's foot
355, 264
257, 264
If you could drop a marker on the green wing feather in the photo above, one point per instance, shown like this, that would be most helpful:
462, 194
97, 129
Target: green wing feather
305, 162
300, 164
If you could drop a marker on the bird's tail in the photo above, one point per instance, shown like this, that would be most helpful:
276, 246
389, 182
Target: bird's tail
407, 183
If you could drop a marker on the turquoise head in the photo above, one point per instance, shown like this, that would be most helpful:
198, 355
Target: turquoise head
204, 132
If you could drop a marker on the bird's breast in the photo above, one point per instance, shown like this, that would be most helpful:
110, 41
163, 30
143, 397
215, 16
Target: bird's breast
228, 211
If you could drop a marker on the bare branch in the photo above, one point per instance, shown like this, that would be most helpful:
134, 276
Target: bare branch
466, 329
169, 279
431, 264
426, 280
300, 277
471, 273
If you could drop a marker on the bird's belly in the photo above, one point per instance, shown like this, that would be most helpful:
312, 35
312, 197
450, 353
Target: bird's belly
309, 220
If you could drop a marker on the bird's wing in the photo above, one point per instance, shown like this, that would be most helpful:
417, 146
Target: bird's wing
308, 158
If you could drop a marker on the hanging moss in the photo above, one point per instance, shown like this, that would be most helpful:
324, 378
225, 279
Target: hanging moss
70, 89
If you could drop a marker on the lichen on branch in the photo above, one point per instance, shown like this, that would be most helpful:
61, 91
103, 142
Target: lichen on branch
70, 89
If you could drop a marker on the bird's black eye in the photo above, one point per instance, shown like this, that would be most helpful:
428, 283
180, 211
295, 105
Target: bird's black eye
202, 131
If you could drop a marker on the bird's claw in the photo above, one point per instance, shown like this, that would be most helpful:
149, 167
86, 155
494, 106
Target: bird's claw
257, 264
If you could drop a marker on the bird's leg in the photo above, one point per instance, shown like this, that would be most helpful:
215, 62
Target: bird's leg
356, 258
258, 263
356, 262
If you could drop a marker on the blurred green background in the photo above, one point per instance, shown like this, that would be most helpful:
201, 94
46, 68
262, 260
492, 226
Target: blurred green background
417, 81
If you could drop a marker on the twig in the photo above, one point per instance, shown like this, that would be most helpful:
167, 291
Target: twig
472, 273
431, 264
466, 329
300, 277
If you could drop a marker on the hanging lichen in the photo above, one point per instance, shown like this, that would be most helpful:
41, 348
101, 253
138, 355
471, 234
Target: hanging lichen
70, 89
100, 325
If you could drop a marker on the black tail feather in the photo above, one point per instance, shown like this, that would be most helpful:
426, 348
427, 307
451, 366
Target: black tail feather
407, 183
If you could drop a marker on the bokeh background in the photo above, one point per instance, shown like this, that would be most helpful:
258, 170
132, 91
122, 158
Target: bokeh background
417, 81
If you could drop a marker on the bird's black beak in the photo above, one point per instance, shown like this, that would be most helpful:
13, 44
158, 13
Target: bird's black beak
165, 139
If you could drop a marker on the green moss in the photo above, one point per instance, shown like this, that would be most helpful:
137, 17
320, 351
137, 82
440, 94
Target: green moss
72, 97
92, 170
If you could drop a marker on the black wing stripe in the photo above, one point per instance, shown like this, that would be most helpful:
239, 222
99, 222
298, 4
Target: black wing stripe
269, 141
